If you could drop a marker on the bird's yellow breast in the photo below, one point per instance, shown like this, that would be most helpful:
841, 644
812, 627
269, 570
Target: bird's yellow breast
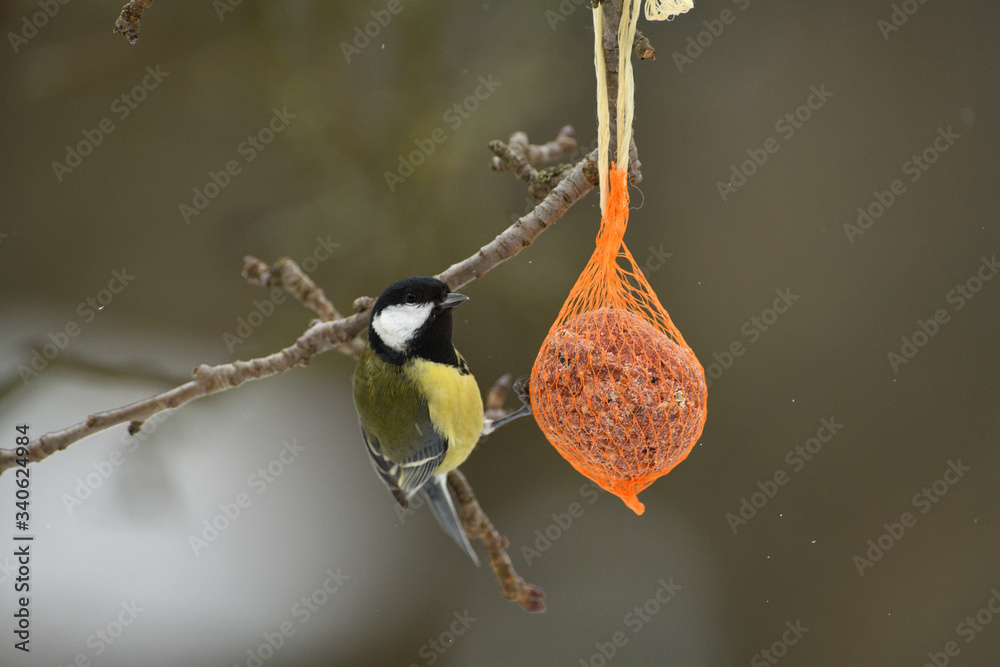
455, 405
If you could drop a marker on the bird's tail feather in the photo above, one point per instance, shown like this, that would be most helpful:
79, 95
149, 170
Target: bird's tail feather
436, 490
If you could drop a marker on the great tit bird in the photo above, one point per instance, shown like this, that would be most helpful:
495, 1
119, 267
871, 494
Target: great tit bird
419, 405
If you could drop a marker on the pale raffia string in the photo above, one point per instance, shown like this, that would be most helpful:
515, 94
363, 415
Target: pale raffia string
655, 10
626, 92
626, 81
660, 10
603, 114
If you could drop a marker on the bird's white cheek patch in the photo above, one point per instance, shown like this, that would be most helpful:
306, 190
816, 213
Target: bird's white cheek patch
396, 325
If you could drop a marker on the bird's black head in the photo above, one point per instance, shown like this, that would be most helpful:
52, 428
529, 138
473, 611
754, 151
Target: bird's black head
412, 318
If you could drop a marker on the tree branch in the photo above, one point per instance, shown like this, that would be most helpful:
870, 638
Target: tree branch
477, 526
496, 396
128, 21
523, 233
522, 159
555, 190
286, 274
612, 19
320, 337
642, 48
519, 154
207, 380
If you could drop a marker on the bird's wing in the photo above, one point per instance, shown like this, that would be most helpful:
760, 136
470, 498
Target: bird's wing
405, 477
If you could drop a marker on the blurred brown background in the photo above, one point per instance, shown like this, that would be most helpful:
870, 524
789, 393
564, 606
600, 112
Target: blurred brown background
114, 516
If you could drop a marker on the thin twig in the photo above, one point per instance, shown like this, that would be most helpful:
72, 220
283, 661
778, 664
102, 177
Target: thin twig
523, 158
496, 396
286, 274
128, 21
518, 148
207, 380
510, 157
642, 48
478, 526
523, 233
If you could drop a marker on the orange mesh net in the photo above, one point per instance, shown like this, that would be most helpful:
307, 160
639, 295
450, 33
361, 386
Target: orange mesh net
614, 387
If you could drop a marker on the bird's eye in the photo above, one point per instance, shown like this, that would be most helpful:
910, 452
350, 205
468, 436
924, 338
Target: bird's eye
411, 297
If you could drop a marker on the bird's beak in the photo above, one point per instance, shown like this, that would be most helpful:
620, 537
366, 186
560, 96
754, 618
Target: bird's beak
453, 299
